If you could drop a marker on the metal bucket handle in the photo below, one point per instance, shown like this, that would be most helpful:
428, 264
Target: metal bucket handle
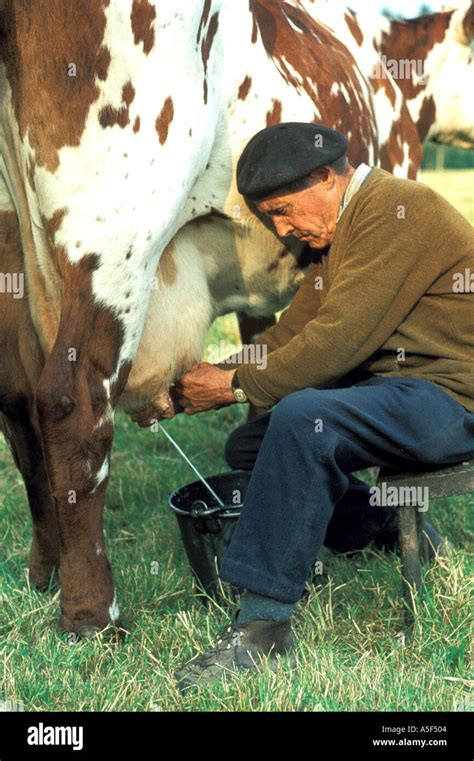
199, 509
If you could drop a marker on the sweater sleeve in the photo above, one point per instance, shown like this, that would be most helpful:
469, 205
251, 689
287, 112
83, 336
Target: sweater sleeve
382, 274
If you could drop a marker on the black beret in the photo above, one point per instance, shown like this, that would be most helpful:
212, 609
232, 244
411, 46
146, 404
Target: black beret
284, 153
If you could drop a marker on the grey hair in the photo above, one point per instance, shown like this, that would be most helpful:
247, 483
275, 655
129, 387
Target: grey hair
340, 167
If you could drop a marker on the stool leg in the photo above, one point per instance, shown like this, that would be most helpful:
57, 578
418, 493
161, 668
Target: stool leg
410, 558
422, 540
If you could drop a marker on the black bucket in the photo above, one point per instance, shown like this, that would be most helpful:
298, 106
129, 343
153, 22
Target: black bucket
207, 527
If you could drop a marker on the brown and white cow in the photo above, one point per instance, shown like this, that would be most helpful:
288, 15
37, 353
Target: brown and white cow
121, 122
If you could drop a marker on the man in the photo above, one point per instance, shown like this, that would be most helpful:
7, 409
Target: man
371, 365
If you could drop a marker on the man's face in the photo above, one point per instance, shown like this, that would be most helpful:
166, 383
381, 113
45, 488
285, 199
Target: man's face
310, 214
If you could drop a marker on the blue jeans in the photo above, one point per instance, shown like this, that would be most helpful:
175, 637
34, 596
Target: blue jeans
314, 440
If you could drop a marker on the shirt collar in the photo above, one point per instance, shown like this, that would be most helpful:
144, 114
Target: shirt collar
359, 176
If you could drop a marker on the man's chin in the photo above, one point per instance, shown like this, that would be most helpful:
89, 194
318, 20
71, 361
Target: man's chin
316, 243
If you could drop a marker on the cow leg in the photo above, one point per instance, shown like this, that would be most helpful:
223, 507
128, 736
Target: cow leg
75, 397
250, 329
25, 445
21, 365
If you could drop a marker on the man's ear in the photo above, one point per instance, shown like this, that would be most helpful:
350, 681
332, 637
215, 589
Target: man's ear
324, 176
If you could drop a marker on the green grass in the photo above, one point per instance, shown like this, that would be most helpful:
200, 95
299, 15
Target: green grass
456, 185
351, 654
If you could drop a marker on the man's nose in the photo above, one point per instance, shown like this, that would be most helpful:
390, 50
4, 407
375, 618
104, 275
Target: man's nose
283, 227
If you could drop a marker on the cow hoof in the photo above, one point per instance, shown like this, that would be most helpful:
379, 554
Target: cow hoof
112, 633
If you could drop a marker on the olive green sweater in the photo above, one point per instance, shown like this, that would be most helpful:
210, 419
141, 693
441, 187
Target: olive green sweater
394, 295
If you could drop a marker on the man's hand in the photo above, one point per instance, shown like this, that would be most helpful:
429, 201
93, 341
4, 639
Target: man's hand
205, 387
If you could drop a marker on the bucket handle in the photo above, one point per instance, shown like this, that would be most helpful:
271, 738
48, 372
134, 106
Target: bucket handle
201, 510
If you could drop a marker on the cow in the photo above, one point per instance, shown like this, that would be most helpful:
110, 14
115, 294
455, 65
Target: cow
121, 124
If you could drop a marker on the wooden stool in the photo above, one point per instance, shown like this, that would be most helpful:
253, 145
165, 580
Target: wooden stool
448, 481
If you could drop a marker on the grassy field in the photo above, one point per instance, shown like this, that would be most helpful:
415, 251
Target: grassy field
456, 185
351, 650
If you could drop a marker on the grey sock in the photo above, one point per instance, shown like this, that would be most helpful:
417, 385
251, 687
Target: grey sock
255, 607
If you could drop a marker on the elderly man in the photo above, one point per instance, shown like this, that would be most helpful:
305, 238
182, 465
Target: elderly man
371, 365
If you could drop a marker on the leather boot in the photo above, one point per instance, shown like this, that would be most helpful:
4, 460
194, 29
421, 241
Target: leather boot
239, 647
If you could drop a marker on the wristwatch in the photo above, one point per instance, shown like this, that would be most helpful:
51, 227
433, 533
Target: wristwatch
239, 394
